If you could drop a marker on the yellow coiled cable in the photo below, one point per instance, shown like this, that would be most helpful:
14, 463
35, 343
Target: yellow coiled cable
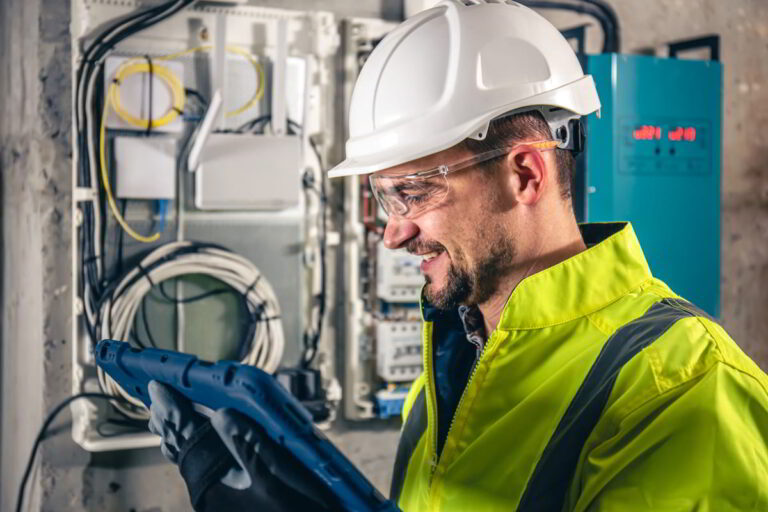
134, 66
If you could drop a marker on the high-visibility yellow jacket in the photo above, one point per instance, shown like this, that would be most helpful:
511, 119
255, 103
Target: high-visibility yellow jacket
683, 426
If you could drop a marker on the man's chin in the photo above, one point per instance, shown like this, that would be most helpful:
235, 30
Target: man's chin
448, 295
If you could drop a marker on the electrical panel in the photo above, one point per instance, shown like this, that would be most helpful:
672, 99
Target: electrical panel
191, 258
382, 345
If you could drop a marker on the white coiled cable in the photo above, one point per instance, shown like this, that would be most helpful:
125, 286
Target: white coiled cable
174, 260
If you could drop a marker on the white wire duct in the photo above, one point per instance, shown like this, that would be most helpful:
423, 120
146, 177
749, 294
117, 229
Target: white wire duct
266, 348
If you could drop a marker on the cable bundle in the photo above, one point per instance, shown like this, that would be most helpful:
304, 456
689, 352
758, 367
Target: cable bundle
179, 259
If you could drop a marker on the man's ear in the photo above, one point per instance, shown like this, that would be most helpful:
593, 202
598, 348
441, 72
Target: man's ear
527, 175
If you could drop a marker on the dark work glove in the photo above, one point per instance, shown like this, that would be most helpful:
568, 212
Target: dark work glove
172, 417
270, 478
189, 440
228, 462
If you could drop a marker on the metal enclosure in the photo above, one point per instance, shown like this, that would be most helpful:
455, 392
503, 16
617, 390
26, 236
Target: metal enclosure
654, 158
250, 198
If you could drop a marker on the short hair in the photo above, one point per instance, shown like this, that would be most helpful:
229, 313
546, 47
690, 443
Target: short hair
508, 130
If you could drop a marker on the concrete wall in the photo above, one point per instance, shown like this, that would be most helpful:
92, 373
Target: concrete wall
34, 155
35, 164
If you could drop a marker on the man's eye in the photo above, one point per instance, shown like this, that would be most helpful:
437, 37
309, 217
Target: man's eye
414, 198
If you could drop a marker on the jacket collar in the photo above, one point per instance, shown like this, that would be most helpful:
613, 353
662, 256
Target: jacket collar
612, 265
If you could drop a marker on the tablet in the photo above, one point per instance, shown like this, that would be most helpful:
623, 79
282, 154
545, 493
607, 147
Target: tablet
252, 392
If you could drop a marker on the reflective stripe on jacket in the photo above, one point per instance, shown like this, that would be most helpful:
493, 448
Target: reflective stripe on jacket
683, 426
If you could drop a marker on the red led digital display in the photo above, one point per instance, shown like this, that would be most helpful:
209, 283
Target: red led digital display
682, 133
653, 132
647, 132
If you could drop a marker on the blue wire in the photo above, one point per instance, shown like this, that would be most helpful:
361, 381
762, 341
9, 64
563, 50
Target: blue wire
161, 208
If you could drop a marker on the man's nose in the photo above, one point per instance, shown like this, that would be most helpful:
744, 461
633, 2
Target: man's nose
399, 231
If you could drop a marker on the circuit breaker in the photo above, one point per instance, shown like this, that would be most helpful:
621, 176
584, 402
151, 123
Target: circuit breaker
398, 350
398, 275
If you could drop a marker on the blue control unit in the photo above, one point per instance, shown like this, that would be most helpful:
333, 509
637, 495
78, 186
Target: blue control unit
389, 403
654, 158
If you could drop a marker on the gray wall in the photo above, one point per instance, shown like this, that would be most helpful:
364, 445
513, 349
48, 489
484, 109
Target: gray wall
35, 94
34, 157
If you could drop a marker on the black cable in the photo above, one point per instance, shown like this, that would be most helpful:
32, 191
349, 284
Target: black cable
611, 14
194, 298
151, 80
133, 334
250, 125
120, 240
146, 323
41, 436
294, 128
196, 94
99, 101
591, 10
91, 63
311, 341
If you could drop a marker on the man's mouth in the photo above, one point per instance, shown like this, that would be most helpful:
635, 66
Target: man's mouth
431, 261
430, 255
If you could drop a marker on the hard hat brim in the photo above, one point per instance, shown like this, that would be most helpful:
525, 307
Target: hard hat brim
579, 97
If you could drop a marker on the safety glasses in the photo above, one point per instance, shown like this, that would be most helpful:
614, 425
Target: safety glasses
409, 195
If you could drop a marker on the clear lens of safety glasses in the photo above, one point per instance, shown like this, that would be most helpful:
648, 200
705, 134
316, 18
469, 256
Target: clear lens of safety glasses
409, 196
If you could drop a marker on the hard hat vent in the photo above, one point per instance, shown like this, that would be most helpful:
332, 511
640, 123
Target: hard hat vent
414, 77
523, 63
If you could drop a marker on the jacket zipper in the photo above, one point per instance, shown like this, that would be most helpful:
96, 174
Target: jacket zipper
430, 388
480, 350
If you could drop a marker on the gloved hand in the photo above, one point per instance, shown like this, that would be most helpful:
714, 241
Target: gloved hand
172, 417
228, 462
189, 440
270, 477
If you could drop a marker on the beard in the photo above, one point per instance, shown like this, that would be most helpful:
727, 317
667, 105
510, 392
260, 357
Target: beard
468, 286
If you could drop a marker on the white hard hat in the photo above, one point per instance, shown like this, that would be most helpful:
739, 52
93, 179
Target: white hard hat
444, 74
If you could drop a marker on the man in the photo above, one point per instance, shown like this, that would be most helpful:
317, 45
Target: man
559, 373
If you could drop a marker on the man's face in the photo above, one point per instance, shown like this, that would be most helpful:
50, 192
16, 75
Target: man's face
465, 243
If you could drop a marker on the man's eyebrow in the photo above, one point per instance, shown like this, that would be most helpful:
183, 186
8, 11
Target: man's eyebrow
406, 185
402, 185
406, 180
